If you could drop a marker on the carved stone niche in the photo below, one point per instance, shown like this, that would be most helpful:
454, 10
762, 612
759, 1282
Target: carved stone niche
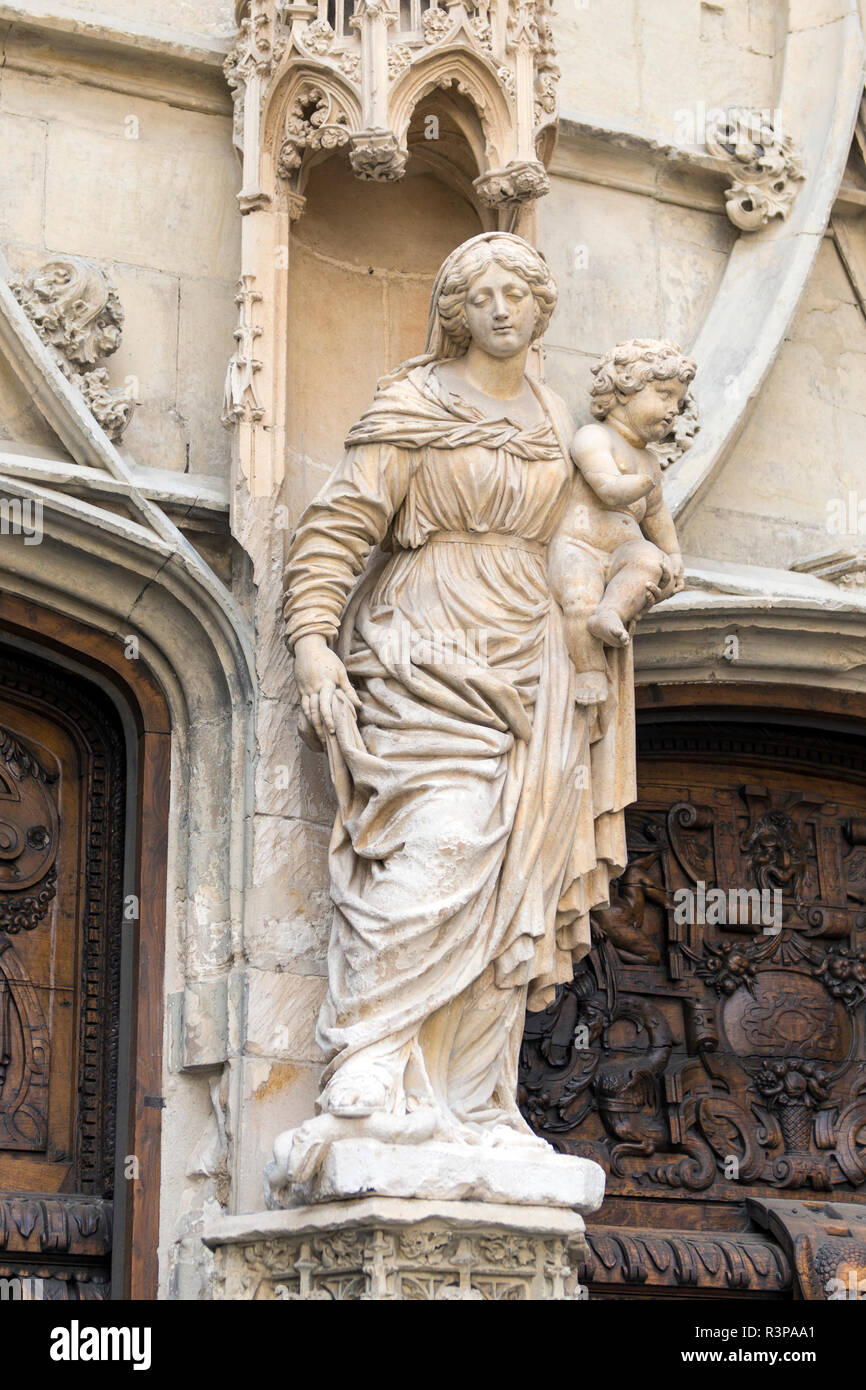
388, 1249
351, 79
311, 77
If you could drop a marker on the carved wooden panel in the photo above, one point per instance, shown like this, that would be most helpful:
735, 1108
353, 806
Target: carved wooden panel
62, 809
712, 1048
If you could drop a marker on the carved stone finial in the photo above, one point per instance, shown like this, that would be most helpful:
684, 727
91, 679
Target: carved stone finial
241, 401
765, 163
75, 309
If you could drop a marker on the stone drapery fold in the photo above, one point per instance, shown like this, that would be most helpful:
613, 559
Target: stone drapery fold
479, 808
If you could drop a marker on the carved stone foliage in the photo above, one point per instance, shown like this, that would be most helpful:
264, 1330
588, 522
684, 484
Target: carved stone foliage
241, 400
514, 184
75, 309
765, 165
682, 435
713, 1043
361, 75
424, 1261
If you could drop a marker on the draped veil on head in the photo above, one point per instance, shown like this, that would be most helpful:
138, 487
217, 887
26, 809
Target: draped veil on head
440, 344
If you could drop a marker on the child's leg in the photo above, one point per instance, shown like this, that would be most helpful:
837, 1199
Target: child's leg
636, 571
577, 583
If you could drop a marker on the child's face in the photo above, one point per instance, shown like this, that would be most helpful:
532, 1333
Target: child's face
652, 410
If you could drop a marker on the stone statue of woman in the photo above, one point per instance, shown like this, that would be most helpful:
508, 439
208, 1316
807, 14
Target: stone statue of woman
479, 804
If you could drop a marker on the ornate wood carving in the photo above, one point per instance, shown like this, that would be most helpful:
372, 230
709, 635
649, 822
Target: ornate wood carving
24, 1058
61, 908
59, 1225
712, 1045
730, 1263
824, 1241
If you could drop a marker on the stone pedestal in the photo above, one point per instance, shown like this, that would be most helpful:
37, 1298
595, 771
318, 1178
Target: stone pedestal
534, 1176
389, 1248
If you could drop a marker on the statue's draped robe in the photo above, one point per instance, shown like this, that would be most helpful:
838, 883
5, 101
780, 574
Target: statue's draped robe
480, 809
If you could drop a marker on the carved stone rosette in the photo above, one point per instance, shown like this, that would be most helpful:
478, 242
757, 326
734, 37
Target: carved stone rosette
389, 1249
75, 309
765, 164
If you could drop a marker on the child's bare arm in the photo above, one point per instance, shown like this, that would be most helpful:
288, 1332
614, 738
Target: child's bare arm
658, 527
592, 454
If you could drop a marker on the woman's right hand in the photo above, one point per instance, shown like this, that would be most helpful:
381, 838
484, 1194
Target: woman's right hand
320, 673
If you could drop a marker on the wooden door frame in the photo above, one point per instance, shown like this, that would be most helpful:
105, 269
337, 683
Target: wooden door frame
139, 691
758, 698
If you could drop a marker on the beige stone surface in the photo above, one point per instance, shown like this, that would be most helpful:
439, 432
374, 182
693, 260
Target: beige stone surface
148, 356
361, 262
133, 180
289, 908
160, 212
650, 60
281, 1013
19, 418
769, 504
206, 316
450, 1172
203, 16
626, 265
23, 141
272, 1092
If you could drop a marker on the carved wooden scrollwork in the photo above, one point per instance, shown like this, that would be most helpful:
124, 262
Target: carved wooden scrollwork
28, 836
712, 1045
29, 829
24, 1057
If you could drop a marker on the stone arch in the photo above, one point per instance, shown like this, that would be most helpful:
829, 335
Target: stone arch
474, 79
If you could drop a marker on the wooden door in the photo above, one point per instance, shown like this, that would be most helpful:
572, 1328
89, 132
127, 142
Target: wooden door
62, 815
710, 1052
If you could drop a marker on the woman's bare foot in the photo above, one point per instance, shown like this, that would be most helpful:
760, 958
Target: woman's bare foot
607, 626
356, 1091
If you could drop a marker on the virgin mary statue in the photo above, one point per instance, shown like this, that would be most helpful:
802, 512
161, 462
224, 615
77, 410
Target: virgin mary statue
479, 805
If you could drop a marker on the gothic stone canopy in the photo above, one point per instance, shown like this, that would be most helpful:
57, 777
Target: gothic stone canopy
308, 79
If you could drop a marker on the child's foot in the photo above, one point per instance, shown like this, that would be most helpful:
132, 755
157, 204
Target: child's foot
608, 628
591, 688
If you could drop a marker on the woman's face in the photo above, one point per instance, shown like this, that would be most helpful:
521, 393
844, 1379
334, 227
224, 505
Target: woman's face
500, 311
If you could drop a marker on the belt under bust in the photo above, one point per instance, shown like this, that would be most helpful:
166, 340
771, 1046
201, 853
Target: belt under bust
495, 538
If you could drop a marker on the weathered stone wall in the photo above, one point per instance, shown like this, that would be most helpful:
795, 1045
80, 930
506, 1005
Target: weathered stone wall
634, 62
131, 163
803, 448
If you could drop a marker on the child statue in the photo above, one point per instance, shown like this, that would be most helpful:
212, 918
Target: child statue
615, 551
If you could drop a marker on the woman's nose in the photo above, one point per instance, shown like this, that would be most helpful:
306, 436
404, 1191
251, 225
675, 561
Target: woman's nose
500, 308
